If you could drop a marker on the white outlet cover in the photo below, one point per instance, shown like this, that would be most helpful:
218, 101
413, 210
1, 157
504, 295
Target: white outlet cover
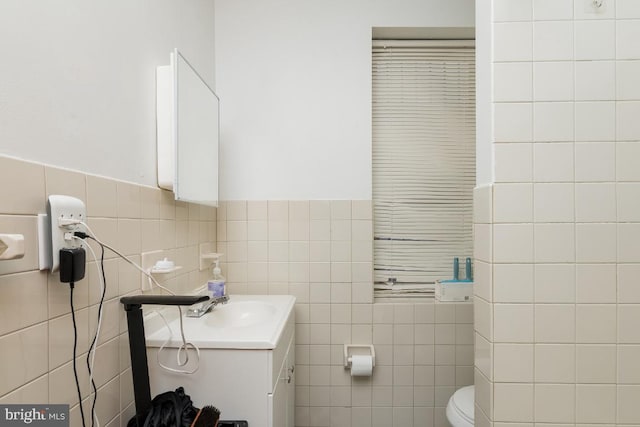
44, 242
68, 208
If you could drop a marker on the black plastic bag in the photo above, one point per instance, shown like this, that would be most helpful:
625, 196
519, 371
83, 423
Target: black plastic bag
169, 409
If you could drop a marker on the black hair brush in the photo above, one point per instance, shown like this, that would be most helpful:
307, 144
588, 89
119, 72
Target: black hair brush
208, 416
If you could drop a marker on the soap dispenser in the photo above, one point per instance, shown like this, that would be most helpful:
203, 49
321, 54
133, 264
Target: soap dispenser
216, 286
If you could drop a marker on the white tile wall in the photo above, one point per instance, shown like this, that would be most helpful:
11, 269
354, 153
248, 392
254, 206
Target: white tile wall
627, 409
514, 122
596, 283
513, 283
595, 80
595, 162
514, 162
548, 10
553, 121
595, 202
512, 82
554, 403
627, 128
322, 252
595, 121
628, 370
483, 318
36, 348
554, 243
627, 9
513, 363
596, 364
626, 32
512, 10
509, 40
628, 291
596, 243
628, 250
554, 323
513, 243
627, 85
555, 283
483, 280
513, 323
595, 403
482, 235
596, 323
555, 363
554, 202
626, 168
553, 41
513, 402
568, 273
595, 40
484, 354
553, 162
513, 202
553, 81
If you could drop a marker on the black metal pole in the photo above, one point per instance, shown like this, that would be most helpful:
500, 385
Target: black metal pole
138, 346
139, 364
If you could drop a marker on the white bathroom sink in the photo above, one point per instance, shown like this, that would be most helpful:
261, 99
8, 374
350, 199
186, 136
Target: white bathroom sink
241, 314
245, 322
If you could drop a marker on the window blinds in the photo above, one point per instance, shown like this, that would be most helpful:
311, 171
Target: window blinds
423, 162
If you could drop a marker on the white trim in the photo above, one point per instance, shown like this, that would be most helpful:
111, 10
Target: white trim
424, 43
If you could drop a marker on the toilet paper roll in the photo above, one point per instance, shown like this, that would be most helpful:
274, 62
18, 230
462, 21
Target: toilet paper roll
361, 366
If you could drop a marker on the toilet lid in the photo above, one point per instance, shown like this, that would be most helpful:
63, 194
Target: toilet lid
462, 402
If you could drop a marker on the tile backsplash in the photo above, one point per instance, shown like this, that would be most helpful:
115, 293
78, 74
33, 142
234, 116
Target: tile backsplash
321, 252
36, 335
318, 251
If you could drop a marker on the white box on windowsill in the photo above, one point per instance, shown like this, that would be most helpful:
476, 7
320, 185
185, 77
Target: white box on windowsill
458, 291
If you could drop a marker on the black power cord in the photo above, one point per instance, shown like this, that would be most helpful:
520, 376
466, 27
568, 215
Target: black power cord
83, 235
95, 337
75, 350
72, 268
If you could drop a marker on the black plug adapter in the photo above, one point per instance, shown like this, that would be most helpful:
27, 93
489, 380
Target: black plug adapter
72, 264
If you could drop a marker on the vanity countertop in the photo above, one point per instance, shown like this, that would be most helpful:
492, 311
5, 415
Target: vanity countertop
245, 322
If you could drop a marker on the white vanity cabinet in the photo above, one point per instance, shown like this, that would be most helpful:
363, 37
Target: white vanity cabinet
252, 384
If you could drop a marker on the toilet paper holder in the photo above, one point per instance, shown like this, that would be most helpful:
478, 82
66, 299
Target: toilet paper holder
360, 350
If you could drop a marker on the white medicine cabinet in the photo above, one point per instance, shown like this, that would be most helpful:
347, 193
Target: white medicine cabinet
187, 133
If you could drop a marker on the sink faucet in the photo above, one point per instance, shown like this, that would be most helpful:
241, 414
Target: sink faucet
206, 306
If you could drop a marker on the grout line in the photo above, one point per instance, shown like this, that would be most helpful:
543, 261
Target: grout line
575, 238
533, 232
615, 175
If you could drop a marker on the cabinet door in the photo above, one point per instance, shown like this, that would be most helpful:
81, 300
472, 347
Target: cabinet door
278, 401
290, 365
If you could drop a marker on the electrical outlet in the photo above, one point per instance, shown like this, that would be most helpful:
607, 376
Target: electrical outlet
64, 214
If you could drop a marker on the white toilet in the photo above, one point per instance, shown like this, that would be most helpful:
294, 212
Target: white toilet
460, 407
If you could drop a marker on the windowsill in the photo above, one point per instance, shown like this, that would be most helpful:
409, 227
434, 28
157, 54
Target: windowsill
413, 300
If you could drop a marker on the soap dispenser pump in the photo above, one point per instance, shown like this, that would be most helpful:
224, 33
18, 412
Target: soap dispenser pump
216, 286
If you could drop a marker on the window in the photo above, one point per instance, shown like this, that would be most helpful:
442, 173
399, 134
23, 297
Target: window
423, 162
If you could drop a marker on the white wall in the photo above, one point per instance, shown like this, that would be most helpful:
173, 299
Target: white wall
77, 81
294, 79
